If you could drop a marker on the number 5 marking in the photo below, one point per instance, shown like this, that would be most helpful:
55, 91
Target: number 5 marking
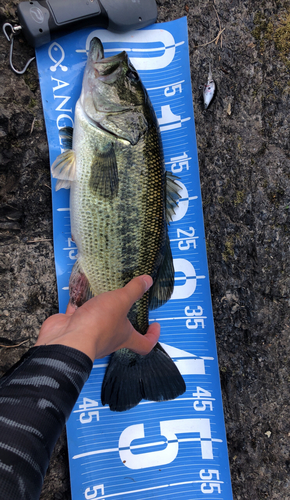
169, 429
169, 93
89, 495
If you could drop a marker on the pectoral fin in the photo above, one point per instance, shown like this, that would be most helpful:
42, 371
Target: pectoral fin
64, 167
61, 184
79, 286
162, 288
104, 173
172, 196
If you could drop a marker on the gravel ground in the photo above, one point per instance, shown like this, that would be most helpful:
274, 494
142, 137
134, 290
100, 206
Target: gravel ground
243, 145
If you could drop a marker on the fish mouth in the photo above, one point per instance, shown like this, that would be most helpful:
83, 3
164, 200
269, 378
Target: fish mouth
104, 83
104, 67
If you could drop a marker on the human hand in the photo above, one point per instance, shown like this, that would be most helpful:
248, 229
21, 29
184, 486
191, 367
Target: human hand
100, 326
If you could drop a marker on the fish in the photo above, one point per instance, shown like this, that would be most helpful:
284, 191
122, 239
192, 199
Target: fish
121, 201
208, 89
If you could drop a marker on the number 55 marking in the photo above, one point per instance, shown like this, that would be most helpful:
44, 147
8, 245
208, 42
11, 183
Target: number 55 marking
169, 429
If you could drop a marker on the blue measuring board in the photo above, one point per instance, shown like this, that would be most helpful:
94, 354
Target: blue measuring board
175, 449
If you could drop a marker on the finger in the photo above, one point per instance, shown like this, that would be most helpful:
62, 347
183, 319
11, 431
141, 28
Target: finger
143, 344
152, 335
70, 308
136, 288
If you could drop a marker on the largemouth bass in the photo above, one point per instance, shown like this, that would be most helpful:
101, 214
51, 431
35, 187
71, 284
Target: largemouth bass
121, 199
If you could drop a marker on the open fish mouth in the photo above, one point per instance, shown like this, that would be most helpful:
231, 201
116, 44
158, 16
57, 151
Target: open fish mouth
106, 69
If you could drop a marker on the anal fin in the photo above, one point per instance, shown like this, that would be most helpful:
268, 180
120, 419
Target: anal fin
79, 286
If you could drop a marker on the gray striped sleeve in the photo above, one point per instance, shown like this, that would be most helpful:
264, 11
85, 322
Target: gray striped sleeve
36, 398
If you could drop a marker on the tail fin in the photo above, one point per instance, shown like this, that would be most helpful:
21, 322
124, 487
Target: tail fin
131, 377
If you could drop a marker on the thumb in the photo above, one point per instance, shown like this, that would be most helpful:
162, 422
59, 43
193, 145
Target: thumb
70, 309
136, 288
143, 344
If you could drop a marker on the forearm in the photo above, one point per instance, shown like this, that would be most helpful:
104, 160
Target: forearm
36, 398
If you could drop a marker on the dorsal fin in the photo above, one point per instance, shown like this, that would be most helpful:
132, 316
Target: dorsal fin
172, 196
162, 288
66, 135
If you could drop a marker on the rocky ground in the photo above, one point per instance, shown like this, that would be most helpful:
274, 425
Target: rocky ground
243, 145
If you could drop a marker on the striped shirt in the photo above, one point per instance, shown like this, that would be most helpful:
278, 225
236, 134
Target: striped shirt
37, 396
